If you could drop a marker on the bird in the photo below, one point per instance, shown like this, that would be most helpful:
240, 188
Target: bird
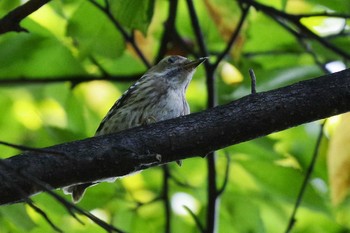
158, 95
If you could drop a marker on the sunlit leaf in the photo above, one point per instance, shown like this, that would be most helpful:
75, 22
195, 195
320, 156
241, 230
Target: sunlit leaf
339, 160
133, 14
94, 33
32, 55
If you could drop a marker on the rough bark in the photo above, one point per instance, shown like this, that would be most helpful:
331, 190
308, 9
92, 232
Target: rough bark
197, 134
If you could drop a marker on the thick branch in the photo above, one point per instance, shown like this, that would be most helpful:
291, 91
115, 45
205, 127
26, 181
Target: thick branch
196, 134
11, 21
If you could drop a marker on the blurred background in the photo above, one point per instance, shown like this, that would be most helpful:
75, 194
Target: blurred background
59, 80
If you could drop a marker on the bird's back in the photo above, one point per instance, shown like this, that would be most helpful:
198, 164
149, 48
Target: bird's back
140, 107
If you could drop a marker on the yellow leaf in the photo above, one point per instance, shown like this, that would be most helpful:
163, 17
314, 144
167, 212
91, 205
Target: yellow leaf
230, 74
339, 160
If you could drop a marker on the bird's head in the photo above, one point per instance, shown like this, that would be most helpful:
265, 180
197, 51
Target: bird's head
177, 71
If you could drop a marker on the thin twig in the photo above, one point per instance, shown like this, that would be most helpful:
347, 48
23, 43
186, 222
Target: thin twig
169, 28
309, 50
270, 53
326, 14
253, 81
100, 67
69, 206
295, 19
184, 44
127, 37
44, 215
196, 219
234, 36
309, 171
30, 202
26, 199
180, 183
227, 172
11, 21
73, 79
141, 204
303, 43
197, 29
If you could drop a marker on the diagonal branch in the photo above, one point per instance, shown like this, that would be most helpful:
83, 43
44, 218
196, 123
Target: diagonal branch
11, 21
24, 176
197, 30
234, 36
127, 37
169, 30
196, 220
295, 20
306, 180
176, 139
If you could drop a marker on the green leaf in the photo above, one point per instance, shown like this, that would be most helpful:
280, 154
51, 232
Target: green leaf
337, 5
7, 5
94, 33
18, 216
283, 182
284, 4
261, 149
33, 55
134, 14
241, 214
75, 115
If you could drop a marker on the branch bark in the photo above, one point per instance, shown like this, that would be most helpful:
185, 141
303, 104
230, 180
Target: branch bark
139, 148
11, 21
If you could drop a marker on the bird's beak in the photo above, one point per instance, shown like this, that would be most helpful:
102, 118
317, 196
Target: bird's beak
193, 64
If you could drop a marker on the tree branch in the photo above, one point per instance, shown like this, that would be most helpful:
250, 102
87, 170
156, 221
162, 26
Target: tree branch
295, 20
166, 198
74, 79
234, 36
127, 37
212, 207
197, 30
176, 139
169, 29
11, 21
306, 180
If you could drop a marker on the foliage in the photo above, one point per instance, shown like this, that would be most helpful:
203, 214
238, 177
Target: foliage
74, 38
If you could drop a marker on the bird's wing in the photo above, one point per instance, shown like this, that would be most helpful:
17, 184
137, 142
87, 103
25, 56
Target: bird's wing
120, 102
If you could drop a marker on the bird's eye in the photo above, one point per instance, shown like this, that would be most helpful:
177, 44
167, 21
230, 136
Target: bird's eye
171, 60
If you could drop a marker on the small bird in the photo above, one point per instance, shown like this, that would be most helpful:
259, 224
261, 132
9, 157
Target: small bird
158, 95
